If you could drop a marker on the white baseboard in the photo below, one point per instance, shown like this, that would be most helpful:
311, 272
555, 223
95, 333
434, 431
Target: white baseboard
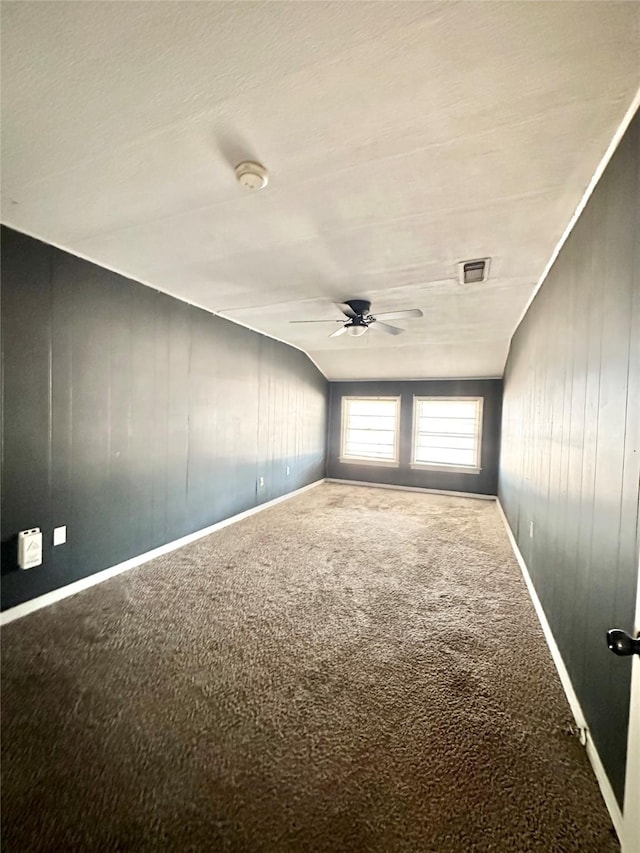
411, 489
596, 763
55, 595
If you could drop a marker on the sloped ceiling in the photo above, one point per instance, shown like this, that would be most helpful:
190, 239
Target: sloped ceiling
400, 139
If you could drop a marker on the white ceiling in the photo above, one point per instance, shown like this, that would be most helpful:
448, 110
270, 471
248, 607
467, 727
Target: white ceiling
401, 138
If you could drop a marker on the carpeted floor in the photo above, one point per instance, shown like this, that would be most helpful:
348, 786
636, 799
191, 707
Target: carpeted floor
353, 670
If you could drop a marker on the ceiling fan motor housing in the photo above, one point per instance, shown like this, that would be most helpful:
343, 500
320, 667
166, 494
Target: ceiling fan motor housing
360, 306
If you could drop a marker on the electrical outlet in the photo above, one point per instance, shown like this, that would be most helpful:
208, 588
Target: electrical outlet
60, 535
531, 530
261, 481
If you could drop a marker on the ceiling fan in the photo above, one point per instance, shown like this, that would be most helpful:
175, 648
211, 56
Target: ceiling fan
360, 319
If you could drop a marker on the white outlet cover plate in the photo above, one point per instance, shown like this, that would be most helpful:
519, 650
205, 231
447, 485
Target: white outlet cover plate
59, 535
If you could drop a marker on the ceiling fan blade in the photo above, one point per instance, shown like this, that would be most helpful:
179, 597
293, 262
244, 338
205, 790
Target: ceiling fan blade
337, 332
385, 327
316, 321
347, 310
398, 315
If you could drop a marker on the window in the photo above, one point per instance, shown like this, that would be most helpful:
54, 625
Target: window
370, 430
447, 433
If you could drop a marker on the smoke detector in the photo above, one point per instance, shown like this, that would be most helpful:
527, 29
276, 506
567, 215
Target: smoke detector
252, 176
474, 272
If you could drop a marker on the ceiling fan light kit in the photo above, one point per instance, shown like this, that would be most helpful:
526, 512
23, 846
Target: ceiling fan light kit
356, 330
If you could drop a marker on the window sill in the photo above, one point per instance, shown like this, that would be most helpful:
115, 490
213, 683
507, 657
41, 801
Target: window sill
383, 463
451, 469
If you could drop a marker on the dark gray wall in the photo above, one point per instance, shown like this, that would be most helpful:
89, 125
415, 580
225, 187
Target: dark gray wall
571, 446
134, 418
485, 483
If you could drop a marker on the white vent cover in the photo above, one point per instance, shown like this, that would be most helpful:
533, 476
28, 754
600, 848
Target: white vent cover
474, 272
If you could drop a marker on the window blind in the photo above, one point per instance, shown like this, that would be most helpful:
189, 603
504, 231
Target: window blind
369, 429
447, 432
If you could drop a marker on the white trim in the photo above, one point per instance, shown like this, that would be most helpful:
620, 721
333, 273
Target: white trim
355, 460
421, 379
411, 489
596, 763
56, 595
631, 838
602, 165
159, 289
451, 469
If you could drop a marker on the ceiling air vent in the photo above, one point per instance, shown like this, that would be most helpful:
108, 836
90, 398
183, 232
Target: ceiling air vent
474, 272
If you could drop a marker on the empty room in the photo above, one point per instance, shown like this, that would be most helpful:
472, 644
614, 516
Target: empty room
320, 426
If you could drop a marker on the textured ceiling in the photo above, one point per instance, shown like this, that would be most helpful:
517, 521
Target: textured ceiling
400, 138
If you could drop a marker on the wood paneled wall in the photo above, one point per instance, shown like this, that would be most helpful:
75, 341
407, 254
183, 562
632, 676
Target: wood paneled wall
133, 418
570, 462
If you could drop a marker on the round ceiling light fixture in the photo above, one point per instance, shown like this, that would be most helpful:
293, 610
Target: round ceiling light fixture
357, 330
252, 176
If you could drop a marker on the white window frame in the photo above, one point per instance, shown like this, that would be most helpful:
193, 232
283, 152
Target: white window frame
364, 460
457, 469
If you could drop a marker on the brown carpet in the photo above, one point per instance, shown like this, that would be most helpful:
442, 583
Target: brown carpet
353, 670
